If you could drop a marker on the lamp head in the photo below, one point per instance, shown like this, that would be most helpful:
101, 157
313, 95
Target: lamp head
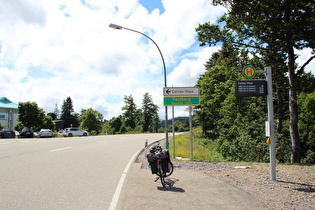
115, 26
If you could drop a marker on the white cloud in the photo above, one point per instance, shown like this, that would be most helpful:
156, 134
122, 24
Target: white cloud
190, 68
50, 50
304, 56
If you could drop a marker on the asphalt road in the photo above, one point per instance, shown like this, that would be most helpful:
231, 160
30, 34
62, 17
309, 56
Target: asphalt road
65, 173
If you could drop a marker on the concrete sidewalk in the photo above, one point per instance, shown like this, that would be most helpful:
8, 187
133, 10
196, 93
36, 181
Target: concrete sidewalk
191, 190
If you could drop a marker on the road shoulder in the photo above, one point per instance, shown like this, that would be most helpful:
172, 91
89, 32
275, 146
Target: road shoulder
191, 190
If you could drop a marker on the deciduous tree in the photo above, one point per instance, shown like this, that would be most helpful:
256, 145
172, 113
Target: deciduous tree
31, 116
91, 120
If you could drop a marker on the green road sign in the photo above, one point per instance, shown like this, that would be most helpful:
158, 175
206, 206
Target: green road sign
182, 101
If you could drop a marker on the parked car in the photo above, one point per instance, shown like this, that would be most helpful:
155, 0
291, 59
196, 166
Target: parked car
44, 133
7, 133
27, 133
68, 132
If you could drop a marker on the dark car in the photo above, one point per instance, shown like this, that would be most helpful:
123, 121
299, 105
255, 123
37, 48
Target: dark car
7, 133
27, 133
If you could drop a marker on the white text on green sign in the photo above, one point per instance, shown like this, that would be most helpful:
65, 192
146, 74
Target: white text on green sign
182, 101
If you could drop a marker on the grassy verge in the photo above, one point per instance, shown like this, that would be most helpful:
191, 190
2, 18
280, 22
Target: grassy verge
200, 152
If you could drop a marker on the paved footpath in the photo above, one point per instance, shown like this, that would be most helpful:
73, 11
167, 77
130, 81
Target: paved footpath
191, 190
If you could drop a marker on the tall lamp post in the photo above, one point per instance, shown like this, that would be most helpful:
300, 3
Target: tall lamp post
165, 83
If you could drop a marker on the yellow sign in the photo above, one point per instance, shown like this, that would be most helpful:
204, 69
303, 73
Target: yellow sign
268, 141
249, 72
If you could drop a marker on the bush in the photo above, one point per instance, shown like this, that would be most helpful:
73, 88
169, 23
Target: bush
93, 133
310, 157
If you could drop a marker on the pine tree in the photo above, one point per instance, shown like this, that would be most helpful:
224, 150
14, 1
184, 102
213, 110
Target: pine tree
68, 115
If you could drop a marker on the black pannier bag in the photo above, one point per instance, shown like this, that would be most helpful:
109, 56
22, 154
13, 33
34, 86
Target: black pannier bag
162, 155
153, 166
152, 162
165, 161
151, 157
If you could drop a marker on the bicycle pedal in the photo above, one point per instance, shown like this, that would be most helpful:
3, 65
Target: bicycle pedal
157, 178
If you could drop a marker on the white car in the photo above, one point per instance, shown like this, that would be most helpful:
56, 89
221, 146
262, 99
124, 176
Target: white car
69, 132
44, 133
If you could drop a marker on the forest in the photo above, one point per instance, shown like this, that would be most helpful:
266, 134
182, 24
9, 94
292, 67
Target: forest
260, 33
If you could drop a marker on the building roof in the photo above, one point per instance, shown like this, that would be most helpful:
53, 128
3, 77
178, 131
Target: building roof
6, 103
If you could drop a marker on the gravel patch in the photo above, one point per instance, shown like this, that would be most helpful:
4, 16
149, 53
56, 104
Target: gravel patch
294, 188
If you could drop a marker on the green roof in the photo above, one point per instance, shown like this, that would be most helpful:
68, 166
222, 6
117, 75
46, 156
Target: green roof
6, 103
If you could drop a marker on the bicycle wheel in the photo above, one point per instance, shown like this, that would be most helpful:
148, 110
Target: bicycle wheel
161, 174
171, 168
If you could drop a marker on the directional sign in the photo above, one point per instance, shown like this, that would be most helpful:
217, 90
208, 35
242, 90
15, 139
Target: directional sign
181, 91
182, 101
249, 72
253, 87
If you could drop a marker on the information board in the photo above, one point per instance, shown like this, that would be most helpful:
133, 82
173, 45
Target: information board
248, 88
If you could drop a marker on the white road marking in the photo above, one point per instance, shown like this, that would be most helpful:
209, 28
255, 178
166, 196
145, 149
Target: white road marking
116, 196
56, 150
6, 143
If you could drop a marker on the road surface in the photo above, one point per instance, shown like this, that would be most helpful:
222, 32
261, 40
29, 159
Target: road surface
65, 173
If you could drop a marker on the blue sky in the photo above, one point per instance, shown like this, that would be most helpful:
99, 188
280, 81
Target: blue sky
50, 50
151, 5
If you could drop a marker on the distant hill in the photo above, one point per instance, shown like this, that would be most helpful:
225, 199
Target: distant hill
181, 119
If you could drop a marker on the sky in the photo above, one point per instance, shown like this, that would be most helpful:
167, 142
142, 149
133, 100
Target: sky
51, 50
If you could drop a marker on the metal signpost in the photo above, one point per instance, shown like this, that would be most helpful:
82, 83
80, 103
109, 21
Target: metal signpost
249, 88
182, 96
272, 147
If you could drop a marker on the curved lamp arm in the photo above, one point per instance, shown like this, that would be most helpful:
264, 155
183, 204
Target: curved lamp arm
165, 82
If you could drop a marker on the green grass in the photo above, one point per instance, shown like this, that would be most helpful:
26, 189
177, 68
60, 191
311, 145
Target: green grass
200, 152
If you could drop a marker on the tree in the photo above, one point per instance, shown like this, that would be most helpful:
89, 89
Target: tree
215, 85
306, 126
48, 123
115, 124
180, 126
31, 116
234, 125
67, 114
52, 115
281, 26
91, 120
150, 116
130, 114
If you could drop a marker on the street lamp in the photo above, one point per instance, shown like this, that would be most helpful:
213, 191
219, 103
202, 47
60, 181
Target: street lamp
165, 83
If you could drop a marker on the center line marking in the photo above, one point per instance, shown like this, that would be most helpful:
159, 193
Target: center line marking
56, 150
